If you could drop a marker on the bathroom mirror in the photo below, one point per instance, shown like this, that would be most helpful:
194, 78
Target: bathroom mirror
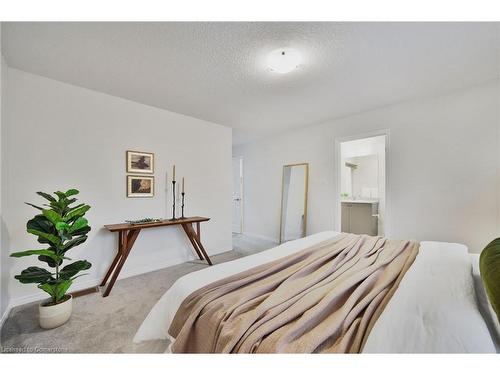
294, 201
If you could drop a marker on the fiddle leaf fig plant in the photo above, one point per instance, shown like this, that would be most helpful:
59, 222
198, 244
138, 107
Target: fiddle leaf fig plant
60, 227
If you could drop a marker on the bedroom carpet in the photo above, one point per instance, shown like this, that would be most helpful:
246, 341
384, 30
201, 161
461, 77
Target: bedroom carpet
247, 245
108, 325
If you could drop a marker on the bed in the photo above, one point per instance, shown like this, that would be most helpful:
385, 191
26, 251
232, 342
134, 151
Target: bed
435, 308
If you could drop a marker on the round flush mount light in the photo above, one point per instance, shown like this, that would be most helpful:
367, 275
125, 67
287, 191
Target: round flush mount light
283, 60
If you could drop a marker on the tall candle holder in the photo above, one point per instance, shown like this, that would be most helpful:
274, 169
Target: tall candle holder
173, 205
182, 206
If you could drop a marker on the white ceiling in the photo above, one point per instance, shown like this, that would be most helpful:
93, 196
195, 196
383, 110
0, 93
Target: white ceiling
214, 71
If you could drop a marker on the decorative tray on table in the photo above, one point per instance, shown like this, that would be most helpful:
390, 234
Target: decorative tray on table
146, 220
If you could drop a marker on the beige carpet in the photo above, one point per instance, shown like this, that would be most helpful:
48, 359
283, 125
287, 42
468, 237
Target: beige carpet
108, 325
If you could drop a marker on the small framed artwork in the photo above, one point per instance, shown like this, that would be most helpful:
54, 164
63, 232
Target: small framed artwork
140, 186
140, 162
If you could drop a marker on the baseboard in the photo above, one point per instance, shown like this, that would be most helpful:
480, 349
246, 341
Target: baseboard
40, 296
5, 315
261, 237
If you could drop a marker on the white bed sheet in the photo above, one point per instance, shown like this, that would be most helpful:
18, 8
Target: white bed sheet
433, 310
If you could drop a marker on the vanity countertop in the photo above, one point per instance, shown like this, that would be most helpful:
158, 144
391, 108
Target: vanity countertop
360, 200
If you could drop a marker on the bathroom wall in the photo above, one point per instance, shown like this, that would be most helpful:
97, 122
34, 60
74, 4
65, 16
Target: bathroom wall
365, 177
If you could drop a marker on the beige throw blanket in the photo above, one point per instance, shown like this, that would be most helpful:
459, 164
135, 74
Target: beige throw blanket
323, 299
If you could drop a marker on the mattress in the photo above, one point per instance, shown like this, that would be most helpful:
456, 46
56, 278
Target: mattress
434, 309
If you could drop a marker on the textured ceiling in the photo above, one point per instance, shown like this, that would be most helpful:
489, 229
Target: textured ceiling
214, 71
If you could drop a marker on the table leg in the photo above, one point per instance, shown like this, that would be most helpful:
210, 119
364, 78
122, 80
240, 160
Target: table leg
194, 238
129, 240
186, 229
202, 249
198, 230
115, 261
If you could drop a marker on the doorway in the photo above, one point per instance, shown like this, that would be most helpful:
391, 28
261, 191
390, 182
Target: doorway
361, 184
237, 220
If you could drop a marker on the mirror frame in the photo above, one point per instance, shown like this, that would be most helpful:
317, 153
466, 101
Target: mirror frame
306, 187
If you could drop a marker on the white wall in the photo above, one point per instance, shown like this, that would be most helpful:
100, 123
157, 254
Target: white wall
442, 168
365, 177
61, 136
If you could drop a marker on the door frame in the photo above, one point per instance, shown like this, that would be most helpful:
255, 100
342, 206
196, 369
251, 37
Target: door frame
240, 158
337, 173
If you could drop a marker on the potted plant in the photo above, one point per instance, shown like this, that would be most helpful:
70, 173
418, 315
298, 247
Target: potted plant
59, 227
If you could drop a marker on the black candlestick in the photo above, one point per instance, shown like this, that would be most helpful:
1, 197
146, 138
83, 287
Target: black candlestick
182, 206
173, 206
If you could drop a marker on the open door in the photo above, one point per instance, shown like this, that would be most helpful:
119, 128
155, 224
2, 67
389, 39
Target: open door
361, 184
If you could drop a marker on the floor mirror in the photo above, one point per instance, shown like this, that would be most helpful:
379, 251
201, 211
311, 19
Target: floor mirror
294, 201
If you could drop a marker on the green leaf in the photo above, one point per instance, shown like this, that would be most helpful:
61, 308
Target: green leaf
77, 206
34, 275
69, 209
60, 194
56, 289
81, 232
57, 206
53, 216
61, 289
62, 226
32, 205
65, 236
72, 269
80, 211
47, 252
42, 224
50, 261
54, 240
72, 200
50, 289
78, 224
46, 196
71, 192
72, 243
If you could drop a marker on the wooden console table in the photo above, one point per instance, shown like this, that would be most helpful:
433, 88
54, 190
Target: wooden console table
127, 234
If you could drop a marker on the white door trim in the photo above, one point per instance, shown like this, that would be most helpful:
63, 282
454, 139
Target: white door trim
240, 158
337, 172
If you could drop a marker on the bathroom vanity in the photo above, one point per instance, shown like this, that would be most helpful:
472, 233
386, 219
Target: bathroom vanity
360, 216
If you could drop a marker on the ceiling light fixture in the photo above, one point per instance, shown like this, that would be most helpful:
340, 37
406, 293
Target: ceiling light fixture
283, 60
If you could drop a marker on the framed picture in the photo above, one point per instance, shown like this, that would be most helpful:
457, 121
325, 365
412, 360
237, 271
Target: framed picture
140, 162
140, 186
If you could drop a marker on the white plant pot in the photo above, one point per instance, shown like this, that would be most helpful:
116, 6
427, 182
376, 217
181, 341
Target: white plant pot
55, 315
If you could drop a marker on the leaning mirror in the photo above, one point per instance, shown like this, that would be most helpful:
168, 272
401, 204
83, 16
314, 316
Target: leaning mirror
294, 201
